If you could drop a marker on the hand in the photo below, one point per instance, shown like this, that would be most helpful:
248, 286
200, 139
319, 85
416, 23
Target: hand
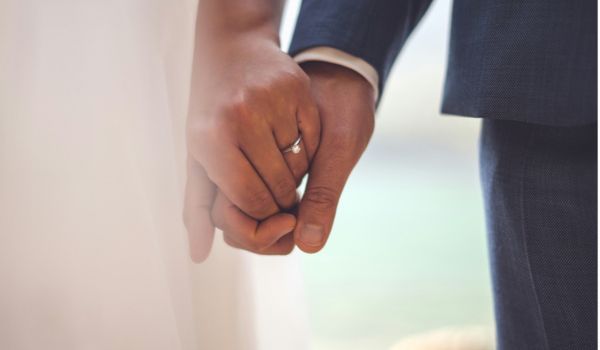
243, 112
346, 107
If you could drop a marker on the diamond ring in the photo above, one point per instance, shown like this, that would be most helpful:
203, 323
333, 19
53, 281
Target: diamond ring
294, 147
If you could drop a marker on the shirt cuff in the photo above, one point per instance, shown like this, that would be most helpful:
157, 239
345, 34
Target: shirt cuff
335, 56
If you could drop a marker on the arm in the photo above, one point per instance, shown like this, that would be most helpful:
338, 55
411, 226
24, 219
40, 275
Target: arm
371, 30
225, 19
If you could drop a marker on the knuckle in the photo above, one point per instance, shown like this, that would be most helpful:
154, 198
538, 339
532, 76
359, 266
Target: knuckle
243, 111
259, 204
239, 104
257, 246
343, 135
321, 198
351, 140
246, 241
259, 91
285, 189
300, 79
239, 110
296, 81
253, 242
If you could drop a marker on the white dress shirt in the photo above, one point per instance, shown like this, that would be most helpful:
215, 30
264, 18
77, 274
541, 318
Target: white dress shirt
335, 56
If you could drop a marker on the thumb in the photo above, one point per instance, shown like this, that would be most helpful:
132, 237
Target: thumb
199, 198
346, 110
329, 171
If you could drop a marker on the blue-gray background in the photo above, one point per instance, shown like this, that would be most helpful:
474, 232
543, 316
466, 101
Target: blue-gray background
407, 253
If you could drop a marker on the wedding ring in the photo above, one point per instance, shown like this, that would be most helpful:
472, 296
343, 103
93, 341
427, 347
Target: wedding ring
294, 147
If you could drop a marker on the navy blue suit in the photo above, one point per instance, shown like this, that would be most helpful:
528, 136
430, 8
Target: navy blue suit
529, 67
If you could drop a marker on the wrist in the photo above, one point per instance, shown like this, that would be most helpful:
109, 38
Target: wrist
218, 52
219, 21
222, 45
335, 77
220, 37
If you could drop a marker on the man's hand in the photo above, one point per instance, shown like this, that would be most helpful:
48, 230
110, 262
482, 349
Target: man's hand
346, 107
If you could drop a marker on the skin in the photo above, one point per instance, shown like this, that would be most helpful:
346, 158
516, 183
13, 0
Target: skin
243, 112
346, 107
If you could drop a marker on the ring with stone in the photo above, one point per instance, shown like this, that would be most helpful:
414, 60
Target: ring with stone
294, 147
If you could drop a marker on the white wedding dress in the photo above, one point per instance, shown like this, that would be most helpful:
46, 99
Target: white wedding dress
93, 254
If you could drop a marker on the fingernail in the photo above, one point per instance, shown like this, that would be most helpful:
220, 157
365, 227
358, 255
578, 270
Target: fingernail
311, 234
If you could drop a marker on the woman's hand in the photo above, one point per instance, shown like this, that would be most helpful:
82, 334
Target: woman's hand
249, 101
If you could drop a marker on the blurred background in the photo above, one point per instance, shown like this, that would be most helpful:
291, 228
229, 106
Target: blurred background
407, 253
92, 115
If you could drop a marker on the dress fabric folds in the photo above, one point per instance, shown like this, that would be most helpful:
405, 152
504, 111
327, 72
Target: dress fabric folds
93, 252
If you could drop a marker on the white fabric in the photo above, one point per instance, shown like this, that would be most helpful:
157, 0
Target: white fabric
344, 59
93, 255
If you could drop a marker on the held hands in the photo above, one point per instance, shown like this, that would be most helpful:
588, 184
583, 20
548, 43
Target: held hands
247, 108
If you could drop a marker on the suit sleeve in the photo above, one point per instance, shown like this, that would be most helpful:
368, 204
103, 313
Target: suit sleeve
372, 30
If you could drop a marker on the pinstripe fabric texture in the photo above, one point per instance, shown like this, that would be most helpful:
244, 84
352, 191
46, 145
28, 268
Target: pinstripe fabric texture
529, 67
540, 189
533, 61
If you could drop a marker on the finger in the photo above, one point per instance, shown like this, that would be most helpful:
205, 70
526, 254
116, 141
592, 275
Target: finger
283, 246
309, 124
247, 233
303, 121
329, 171
287, 133
264, 154
231, 171
297, 162
199, 196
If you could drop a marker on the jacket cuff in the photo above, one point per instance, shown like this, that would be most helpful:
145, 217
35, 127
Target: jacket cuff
339, 57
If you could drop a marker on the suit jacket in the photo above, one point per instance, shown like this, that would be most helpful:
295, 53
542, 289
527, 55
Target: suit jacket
525, 60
